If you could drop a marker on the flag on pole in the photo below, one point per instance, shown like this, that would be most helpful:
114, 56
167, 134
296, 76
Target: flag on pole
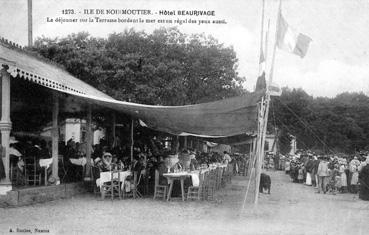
260, 82
290, 40
275, 90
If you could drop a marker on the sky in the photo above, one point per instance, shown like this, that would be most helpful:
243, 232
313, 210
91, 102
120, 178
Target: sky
337, 60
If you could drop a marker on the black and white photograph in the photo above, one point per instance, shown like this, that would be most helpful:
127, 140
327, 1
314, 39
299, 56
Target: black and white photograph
184, 117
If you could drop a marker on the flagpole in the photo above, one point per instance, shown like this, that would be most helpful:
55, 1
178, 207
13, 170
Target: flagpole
275, 46
261, 37
257, 148
266, 113
258, 163
253, 159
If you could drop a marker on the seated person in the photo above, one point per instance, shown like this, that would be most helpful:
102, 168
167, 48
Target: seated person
19, 179
126, 162
107, 161
162, 169
97, 168
116, 164
120, 165
194, 165
137, 165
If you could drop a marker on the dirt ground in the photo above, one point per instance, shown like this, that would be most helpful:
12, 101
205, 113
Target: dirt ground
290, 209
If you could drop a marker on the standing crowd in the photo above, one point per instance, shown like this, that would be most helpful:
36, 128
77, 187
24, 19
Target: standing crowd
330, 174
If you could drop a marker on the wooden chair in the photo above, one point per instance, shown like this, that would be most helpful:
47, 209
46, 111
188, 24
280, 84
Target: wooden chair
95, 175
195, 192
113, 187
134, 193
136, 181
159, 190
219, 174
229, 173
31, 173
211, 185
124, 188
205, 178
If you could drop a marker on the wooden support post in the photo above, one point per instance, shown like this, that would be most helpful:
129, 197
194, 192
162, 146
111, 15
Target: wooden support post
132, 139
113, 130
5, 128
177, 144
88, 176
185, 142
55, 138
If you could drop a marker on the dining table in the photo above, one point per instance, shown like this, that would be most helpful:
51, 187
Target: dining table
45, 163
106, 177
195, 176
181, 176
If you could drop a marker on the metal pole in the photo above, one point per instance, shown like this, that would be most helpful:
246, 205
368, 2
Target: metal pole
30, 36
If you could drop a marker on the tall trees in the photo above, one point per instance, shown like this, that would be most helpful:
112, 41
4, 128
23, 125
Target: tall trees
339, 124
166, 67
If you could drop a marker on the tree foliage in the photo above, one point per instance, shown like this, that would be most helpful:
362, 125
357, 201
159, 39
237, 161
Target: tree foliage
339, 124
166, 67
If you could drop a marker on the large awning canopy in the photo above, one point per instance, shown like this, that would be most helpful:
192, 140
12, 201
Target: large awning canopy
33, 68
228, 117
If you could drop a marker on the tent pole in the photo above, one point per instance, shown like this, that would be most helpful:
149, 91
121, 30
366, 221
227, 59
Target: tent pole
259, 151
185, 142
252, 160
88, 143
113, 129
30, 36
266, 111
262, 37
177, 144
132, 123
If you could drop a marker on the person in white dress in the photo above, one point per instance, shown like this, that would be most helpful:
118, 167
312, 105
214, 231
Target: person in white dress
354, 171
343, 178
226, 157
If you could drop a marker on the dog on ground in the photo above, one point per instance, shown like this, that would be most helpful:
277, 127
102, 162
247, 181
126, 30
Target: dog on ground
265, 183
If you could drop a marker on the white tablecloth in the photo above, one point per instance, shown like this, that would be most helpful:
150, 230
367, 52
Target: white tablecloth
106, 177
195, 179
46, 162
80, 161
194, 176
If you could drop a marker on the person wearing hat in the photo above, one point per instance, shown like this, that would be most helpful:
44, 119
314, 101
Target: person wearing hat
323, 175
342, 170
226, 157
107, 159
314, 171
193, 164
97, 168
364, 181
354, 171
